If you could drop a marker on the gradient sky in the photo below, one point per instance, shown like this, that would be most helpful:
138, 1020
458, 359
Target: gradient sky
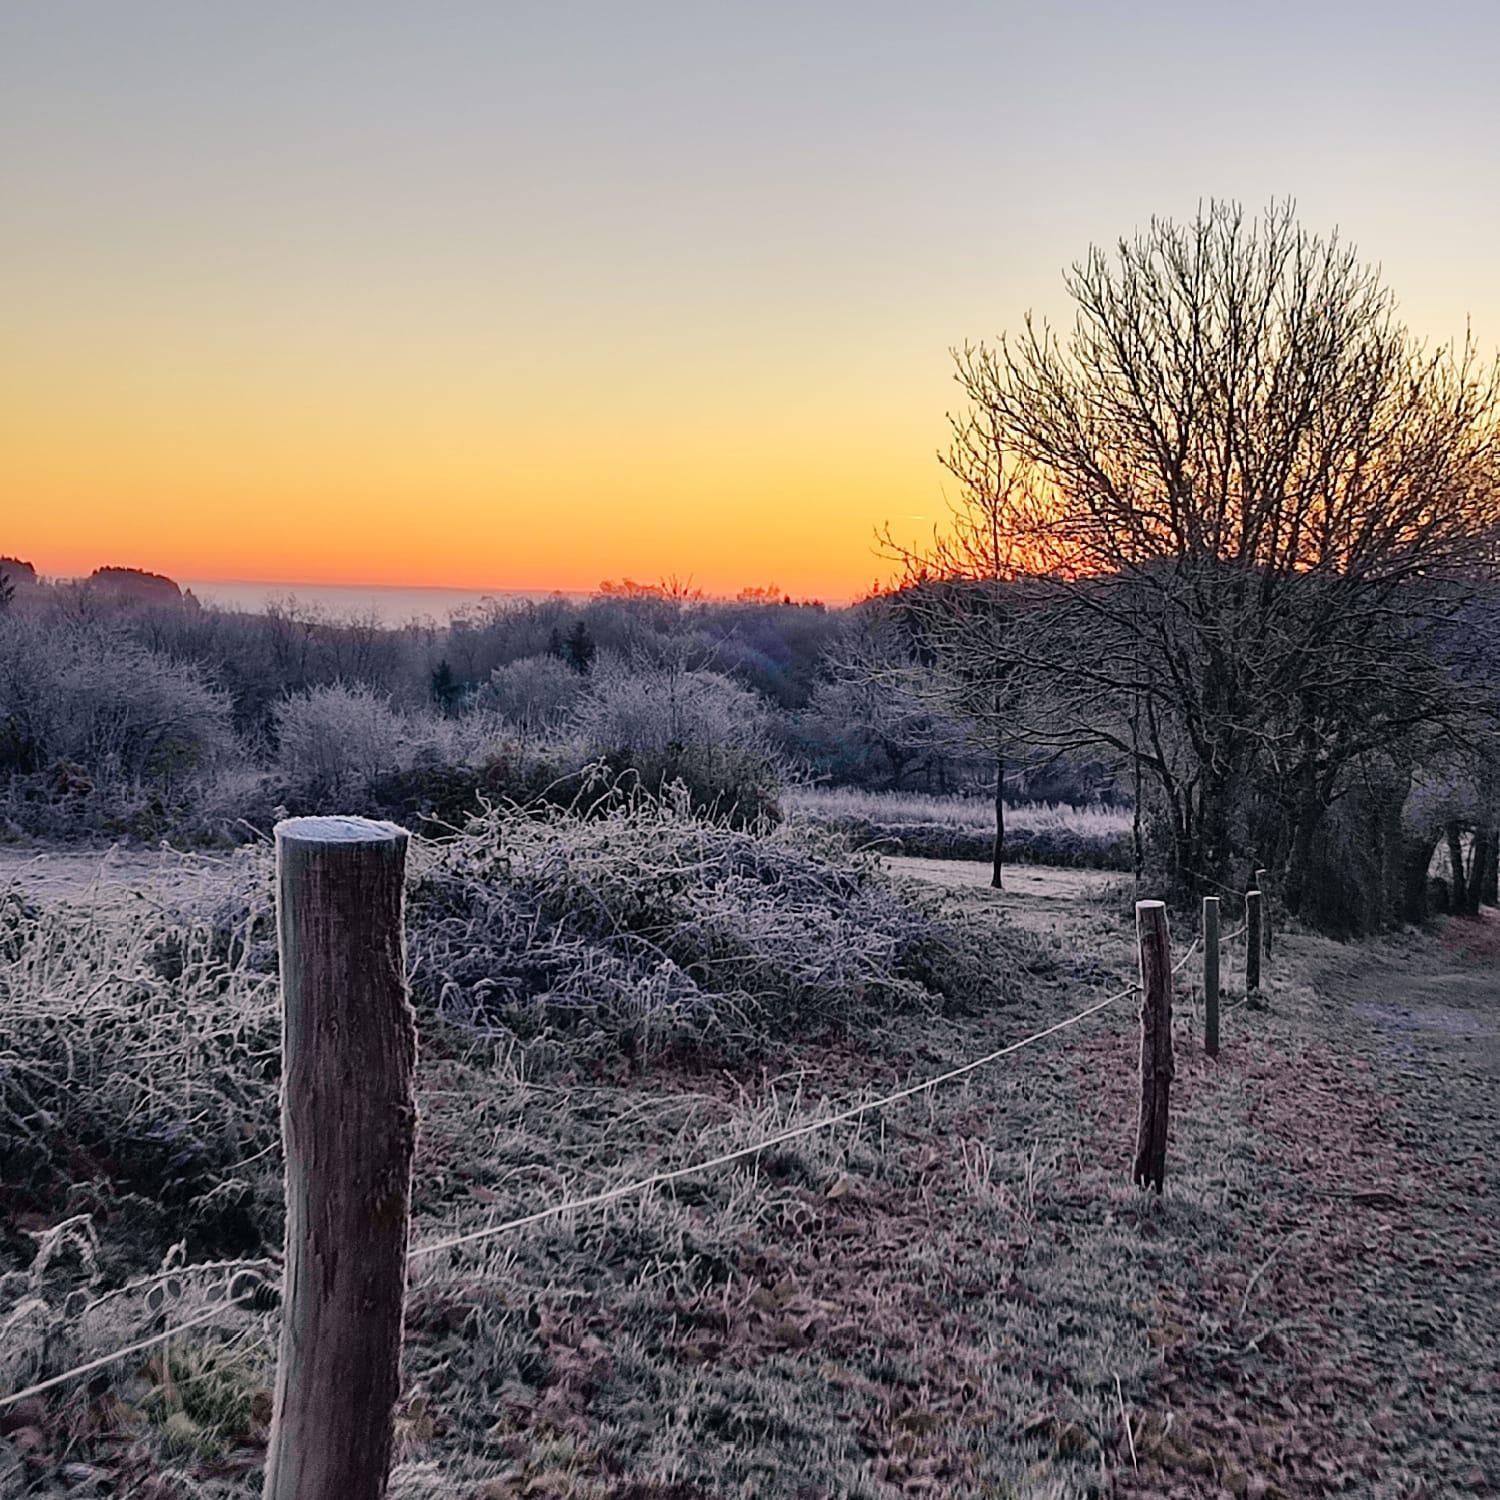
514, 295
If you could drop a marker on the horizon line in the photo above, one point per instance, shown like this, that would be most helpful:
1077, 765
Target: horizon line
548, 591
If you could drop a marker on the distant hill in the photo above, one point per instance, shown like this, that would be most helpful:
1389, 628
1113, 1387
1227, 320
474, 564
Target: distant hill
135, 584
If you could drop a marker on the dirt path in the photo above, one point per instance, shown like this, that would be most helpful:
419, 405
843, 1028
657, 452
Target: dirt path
1336, 1332
68, 874
1442, 1002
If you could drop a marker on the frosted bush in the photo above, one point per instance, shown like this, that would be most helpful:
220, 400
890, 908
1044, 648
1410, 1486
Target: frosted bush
632, 915
79, 694
338, 739
533, 694
693, 727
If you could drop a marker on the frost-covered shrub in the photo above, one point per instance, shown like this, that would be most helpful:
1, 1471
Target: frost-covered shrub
86, 694
533, 694
645, 920
139, 1049
338, 739
98, 731
349, 749
692, 727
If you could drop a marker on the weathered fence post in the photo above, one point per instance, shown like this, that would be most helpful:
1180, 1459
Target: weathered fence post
1263, 885
1211, 975
1252, 942
348, 1120
1156, 1042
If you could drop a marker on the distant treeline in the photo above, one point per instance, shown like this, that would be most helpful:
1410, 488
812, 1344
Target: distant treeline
129, 708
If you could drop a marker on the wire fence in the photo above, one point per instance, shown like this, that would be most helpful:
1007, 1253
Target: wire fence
1181, 963
259, 1291
104, 1360
612, 1195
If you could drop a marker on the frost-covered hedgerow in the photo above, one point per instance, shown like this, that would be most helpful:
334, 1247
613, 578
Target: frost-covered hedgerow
98, 733
141, 1035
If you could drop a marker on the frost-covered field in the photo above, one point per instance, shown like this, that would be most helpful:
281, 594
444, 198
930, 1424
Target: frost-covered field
960, 1294
964, 827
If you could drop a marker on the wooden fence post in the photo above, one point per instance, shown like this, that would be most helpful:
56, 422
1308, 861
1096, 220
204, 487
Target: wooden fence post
1211, 975
1156, 1042
348, 1119
1252, 942
1263, 885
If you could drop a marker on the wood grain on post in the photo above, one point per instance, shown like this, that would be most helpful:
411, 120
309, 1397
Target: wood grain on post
1252, 942
1156, 1042
1263, 885
348, 1119
1211, 975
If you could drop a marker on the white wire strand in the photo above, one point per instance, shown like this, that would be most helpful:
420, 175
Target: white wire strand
795, 1132
109, 1359
1192, 948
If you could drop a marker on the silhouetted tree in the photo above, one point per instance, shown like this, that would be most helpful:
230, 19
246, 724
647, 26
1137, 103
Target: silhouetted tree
963, 611
445, 688
579, 649
867, 720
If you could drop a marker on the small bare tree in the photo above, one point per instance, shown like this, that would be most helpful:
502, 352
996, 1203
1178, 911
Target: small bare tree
965, 606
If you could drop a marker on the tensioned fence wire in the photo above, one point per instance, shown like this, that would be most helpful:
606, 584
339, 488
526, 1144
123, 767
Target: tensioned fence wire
780, 1138
1177, 968
103, 1360
625, 1190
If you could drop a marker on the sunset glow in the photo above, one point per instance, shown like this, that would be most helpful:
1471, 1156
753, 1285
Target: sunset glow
528, 297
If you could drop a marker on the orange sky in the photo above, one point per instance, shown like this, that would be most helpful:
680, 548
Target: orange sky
533, 296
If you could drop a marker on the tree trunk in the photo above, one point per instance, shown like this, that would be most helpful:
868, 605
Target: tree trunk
1479, 868
1213, 833
1137, 838
1416, 860
1308, 819
1137, 831
1187, 847
996, 875
1458, 886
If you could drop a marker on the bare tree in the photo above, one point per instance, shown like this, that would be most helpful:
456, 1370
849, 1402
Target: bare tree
1251, 499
